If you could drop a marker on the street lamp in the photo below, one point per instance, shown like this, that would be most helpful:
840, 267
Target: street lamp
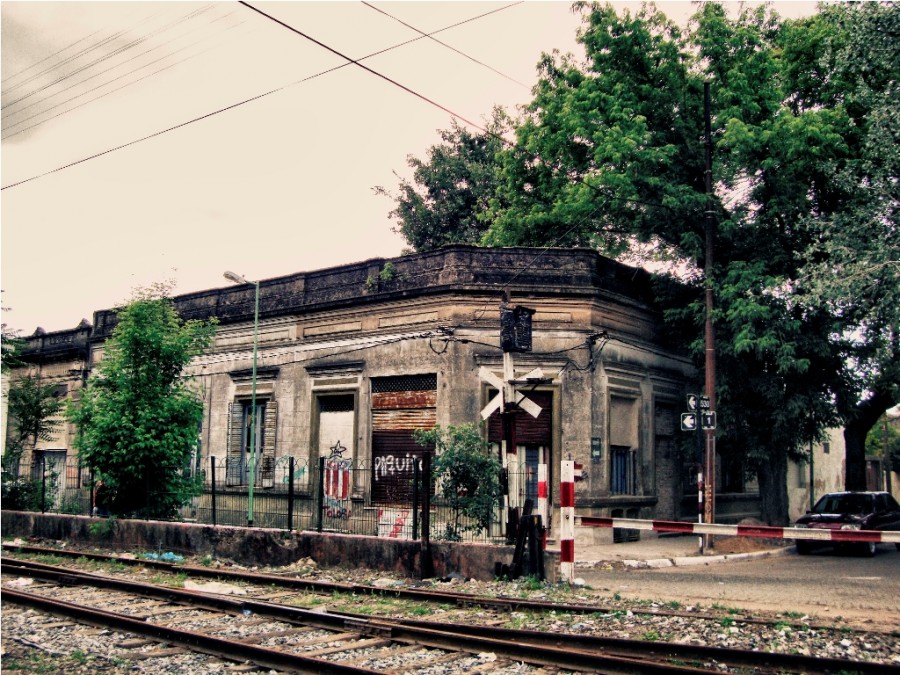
238, 279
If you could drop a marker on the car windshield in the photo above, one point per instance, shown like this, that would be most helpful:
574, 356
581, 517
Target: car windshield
852, 504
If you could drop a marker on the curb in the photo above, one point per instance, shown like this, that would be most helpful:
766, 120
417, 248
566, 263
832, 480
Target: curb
696, 560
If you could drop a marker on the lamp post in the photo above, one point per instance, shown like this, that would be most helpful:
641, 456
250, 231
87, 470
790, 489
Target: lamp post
238, 279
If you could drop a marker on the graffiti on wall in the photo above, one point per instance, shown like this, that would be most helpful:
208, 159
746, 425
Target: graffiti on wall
388, 466
337, 484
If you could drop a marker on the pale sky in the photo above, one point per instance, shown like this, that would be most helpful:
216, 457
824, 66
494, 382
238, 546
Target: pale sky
278, 185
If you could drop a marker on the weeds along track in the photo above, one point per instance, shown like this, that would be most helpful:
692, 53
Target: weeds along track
290, 639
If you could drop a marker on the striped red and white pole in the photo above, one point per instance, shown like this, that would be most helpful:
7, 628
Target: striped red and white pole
567, 522
542, 505
700, 503
766, 531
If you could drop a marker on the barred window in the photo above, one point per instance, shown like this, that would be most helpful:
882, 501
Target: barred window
422, 382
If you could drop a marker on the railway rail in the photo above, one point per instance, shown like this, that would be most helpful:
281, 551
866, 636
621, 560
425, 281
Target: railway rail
310, 641
329, 588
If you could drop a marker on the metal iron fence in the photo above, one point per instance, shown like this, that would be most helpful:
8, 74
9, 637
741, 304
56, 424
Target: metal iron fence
331, 495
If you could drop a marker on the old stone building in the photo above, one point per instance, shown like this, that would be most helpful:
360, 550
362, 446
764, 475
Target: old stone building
352, 359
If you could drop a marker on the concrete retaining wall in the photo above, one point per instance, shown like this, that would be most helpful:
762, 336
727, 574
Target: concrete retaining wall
264, 547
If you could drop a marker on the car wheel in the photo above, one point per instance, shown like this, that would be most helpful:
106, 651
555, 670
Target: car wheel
868, 549
804, 548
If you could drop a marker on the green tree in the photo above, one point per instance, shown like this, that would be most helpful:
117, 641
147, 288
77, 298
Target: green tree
34, 409
884, 441
610, 153
466, 475
852, 266
615, 157
138, 416
447, 200
11, 345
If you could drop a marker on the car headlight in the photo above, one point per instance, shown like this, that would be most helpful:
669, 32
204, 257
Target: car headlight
850, 526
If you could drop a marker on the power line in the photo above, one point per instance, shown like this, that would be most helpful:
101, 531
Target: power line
46, 58
450, 47
225, 109
115, 79
105, 57
357, 63
112, 67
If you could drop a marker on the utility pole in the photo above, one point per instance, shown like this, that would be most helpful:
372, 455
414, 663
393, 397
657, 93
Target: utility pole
709, 509
515, 336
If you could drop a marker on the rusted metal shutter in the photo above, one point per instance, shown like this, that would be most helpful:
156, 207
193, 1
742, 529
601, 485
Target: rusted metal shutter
529, 430
399, 406
396, 455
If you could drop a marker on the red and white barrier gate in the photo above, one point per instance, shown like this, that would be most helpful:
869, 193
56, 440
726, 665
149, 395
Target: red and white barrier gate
766, 531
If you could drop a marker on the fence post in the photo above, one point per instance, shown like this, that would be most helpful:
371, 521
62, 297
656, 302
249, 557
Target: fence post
212, 482
320, 497
93, 505
43, 484
427, 561
290, 526
415, 504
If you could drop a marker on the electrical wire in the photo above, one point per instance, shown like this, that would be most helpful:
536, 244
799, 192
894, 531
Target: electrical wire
46, 58
221, 110
450, 47
106, 57
123, 86
358, 63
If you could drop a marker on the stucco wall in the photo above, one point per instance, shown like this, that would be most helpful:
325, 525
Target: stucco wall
828, 470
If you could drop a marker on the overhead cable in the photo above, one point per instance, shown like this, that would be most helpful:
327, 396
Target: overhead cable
451, 47
226, 108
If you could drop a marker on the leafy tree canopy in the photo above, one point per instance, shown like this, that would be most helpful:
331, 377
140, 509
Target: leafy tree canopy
139, 417
447, 200
33, 408
610, 153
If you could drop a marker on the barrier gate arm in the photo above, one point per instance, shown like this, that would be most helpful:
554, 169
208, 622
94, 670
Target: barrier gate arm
763, 531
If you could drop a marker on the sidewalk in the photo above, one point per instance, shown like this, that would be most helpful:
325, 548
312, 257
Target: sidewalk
674, 551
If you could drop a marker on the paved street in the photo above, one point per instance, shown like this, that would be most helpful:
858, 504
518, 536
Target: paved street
825, 584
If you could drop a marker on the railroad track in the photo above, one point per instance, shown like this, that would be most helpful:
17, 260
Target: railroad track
260, 583
290, 639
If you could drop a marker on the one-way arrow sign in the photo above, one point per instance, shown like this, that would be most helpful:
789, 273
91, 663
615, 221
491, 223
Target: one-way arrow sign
689, 421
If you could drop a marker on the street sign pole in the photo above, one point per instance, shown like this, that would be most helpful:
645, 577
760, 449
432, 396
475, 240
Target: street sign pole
709, 510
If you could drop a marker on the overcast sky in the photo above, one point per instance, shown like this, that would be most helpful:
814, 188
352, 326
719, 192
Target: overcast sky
279, 184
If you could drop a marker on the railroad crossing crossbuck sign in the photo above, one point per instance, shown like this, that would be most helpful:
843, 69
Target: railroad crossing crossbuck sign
508, 391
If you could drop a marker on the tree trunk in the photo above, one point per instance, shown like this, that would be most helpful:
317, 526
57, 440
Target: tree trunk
773, 494
868, 413
855, 459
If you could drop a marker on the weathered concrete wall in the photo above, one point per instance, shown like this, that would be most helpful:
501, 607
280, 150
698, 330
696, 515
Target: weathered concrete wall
258, 546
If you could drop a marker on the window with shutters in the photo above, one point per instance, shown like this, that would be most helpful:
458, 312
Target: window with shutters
251, 442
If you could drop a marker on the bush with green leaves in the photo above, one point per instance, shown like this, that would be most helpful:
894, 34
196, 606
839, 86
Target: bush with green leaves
138, 418
27, 492
465, 475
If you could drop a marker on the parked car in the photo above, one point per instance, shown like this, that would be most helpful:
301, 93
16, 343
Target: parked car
850, 511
